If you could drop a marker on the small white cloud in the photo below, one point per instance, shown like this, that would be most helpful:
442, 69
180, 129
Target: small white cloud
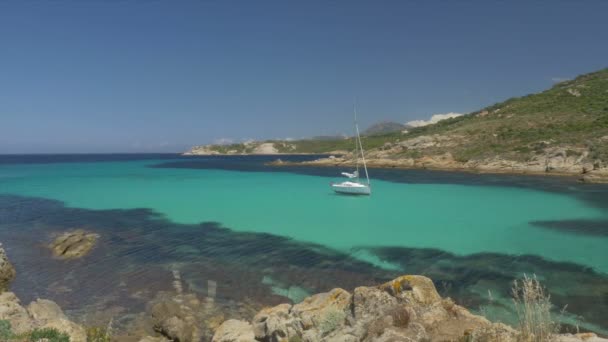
223, 141
163, 144
560, 79
434, 119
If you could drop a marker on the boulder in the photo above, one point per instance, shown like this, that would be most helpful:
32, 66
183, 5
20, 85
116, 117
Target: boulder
38, 314
407, 308
12, 311
7, 271
47, 314
153, 339
184, 317
275, 324
234, 330
175, 318
413, 289
73, 244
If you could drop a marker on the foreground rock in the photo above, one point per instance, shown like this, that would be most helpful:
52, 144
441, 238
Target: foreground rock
405, 309
74, 244
38, 314
7, 271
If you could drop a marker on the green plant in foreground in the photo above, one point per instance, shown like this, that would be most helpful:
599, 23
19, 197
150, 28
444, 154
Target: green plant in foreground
533, 307
97, 334
6, 331
49, 335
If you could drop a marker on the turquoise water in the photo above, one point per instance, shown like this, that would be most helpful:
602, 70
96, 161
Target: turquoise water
268, 235
460, 219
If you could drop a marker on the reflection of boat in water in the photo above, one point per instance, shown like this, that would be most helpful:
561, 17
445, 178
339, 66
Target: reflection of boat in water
355, 186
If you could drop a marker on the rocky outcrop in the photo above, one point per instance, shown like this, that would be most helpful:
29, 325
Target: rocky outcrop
407, 308
153, 339
7, 271
184, 317
37, 315
412, 154
73, 245
234, 330
265, 148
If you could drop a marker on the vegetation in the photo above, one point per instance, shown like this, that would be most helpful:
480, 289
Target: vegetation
46, 334
571, 114
49, 335
6, 332
331, 320
384, 128
533, 307
97, 334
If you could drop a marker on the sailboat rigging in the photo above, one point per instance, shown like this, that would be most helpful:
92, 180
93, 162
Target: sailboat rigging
354, 186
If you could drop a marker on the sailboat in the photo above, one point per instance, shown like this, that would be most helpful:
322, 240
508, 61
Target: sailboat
354, 186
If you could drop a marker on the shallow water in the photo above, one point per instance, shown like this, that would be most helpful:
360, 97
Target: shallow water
289, 235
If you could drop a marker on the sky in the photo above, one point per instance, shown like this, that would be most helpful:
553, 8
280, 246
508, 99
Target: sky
160, 76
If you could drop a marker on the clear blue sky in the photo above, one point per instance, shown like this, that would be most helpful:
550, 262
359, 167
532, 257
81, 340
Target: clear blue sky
132, 76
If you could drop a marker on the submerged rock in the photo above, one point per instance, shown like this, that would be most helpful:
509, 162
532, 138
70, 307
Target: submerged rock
74, 244
7, 271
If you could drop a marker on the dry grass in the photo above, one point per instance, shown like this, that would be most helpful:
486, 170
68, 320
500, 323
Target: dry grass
533, 307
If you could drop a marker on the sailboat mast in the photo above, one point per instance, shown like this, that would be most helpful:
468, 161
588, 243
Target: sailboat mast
360, 145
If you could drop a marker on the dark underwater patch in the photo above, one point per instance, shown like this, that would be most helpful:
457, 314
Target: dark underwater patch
139, 249
578, 288
594, 194
586, 227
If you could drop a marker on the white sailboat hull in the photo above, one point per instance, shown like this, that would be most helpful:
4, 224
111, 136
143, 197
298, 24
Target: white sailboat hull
351, 188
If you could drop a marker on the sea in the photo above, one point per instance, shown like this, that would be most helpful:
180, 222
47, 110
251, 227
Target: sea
253, 235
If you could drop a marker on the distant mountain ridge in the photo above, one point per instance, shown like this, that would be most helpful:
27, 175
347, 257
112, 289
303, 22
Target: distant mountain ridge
384, 127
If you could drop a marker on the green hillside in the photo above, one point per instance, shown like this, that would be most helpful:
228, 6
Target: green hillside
571, 115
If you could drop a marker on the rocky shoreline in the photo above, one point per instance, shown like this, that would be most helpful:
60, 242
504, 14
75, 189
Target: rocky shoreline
447, 163
407, 308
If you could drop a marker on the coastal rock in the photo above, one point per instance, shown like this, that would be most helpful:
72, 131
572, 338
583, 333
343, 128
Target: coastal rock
175, 317
47, 314
7, 271
38, 314
413, 289
74, 244
184, 317
405, 309
234, 330
12, 311
583, 337
153, 339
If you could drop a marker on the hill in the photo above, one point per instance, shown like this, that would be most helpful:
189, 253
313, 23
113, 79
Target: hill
561, 130
384, 128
